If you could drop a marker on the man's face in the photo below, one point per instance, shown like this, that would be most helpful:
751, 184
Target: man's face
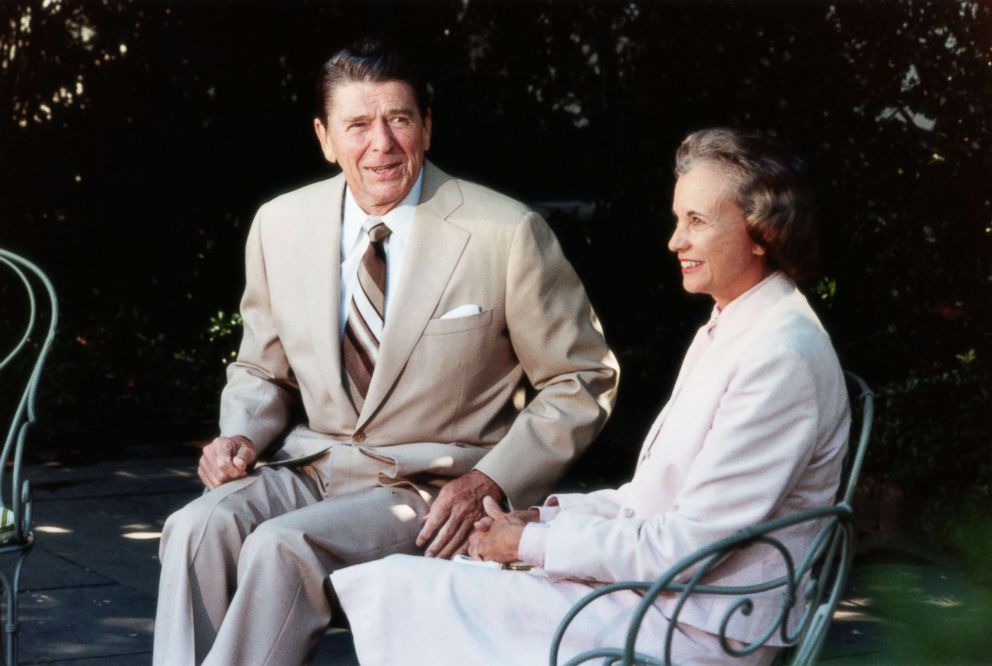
376, 134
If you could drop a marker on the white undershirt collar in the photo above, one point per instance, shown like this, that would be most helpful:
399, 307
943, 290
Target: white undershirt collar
354, 241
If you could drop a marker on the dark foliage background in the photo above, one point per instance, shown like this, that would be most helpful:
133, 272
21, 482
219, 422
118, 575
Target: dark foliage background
137, 140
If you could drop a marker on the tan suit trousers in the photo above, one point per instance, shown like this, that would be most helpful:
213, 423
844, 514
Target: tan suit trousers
245, 567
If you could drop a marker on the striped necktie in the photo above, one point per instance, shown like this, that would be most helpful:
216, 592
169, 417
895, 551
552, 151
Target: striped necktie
366, 314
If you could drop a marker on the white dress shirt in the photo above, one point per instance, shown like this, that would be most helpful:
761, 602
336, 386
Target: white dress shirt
354, 242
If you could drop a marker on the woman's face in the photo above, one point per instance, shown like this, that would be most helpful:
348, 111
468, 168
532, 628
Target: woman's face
715, 253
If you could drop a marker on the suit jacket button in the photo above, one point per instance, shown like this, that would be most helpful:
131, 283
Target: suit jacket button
628, 513
358, 437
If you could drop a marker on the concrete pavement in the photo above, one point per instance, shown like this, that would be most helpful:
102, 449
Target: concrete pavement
89, 586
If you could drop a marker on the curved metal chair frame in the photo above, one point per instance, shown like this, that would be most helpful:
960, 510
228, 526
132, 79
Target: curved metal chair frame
817, 580
15, 492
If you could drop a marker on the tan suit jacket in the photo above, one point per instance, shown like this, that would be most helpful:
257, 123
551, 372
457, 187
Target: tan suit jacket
447, 395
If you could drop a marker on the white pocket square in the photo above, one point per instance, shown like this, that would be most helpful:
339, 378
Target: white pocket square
462, 311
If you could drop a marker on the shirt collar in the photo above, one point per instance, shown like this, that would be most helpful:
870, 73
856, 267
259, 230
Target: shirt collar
763, 293
399, 219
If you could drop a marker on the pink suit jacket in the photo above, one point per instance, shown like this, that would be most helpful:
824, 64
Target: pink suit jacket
756, 429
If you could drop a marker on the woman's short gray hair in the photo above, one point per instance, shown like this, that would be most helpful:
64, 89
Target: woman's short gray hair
769, 191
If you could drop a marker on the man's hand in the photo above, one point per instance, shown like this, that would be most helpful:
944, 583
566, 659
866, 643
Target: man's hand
226, 459
497, 536
457, 507
531, 515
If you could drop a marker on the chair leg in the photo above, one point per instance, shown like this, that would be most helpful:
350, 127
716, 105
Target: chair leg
11, 625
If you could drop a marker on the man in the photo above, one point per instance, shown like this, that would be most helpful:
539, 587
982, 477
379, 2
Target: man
406, 310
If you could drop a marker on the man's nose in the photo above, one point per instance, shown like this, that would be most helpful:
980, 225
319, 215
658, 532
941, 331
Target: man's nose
382, 136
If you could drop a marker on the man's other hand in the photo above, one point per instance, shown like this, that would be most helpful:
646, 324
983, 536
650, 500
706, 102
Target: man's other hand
457, 507
226, 459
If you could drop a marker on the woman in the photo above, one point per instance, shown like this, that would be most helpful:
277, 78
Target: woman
755, 429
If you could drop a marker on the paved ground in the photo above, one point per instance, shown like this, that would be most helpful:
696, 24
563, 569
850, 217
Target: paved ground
89, 586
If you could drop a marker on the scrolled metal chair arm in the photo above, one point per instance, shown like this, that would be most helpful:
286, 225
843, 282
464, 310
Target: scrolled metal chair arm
704, 561
579, 606
612, 656
788, 599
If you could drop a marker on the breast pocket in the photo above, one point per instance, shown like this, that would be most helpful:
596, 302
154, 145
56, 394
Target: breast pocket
458, 324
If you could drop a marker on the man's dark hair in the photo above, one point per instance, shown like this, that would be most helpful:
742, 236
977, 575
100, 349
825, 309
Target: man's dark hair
369, 60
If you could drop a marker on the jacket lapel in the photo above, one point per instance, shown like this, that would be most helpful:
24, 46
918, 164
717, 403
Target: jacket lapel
323, 285
435, 248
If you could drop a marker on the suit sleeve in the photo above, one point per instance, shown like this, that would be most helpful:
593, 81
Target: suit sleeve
257, 399
605, 502
762, 438
559, 342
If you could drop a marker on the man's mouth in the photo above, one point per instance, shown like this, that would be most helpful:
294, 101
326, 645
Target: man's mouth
384, 169
688, 264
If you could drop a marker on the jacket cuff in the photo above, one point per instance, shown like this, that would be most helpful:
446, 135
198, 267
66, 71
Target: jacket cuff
532, 544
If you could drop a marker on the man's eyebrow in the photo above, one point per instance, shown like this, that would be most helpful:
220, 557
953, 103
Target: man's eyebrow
398, 111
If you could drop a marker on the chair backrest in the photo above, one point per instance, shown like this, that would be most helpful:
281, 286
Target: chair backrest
862, 415
831, 574
30, 351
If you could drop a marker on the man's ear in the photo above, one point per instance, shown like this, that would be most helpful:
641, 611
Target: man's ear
324, 140
757, 250
427, 130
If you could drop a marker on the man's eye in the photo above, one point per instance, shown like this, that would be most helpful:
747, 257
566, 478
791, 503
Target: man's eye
354, 126
400, 121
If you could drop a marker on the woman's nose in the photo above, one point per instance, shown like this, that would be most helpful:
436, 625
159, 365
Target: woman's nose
678, 241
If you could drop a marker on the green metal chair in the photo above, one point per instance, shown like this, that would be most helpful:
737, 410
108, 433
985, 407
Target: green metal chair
26, 358
817, 580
